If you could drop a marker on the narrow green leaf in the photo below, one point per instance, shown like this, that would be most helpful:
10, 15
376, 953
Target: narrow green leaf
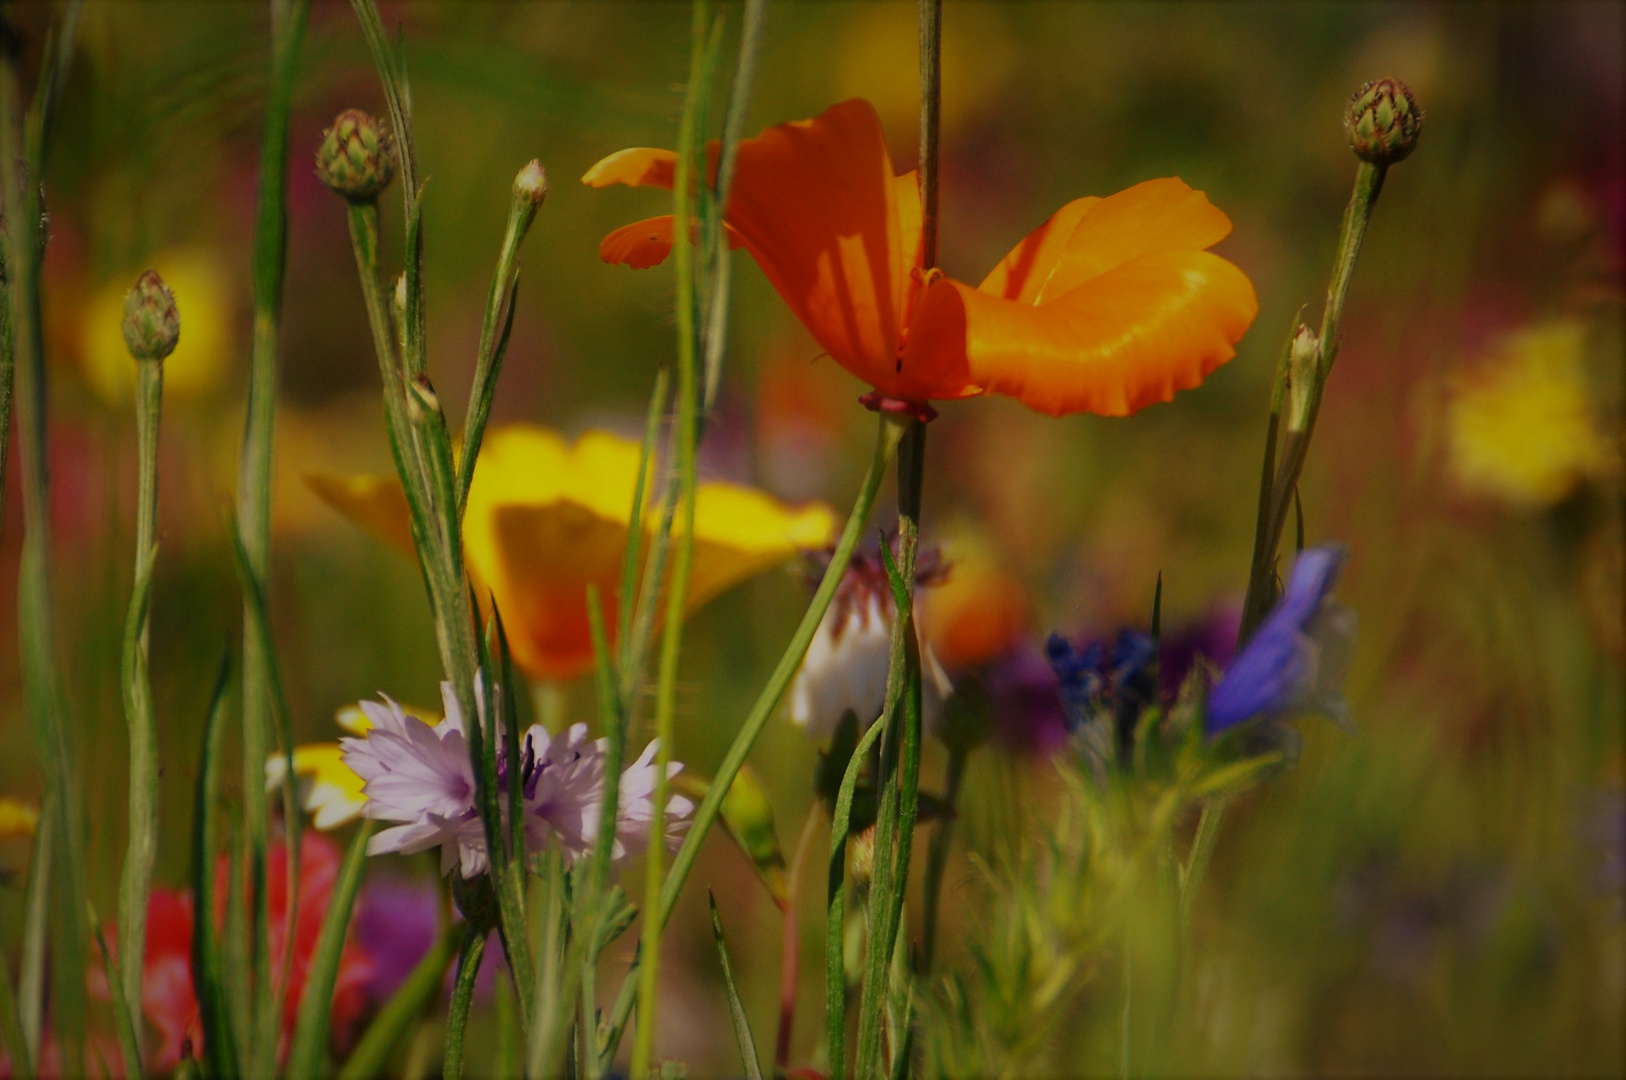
401, 1013
122, 1021
11, 1028
218, 1043
457, 1016
308, 1054
767, 701
835, 975
736, 1010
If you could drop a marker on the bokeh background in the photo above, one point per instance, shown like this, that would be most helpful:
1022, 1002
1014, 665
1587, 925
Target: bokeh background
1438, 891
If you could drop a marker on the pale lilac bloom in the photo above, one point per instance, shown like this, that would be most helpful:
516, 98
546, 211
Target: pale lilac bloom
635, 807
420, 777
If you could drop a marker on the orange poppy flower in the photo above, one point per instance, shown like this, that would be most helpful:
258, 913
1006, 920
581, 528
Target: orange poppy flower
1111, 305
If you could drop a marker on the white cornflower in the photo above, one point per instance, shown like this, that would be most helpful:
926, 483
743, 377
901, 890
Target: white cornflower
846, 667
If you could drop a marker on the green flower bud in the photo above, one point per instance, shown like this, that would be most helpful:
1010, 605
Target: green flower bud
531, 185
1383, 121
357, 156
152, 326
1303, 365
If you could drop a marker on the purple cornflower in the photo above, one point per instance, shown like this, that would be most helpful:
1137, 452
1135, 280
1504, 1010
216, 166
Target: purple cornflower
1295, 661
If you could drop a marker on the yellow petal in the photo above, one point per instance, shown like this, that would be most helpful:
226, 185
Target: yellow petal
17, 819
376, 503
547, 518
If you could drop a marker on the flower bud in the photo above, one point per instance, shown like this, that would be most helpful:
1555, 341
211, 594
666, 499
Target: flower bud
357, 156
1383, 121
861, 858
531, 185
152, 326
1303, 363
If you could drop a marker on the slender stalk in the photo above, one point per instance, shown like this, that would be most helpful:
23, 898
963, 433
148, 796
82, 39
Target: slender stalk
733, 128
685, 437
938, 855
254, 505
24, 136
767, 701
457, 1015
835, 923
790, 945
898, 796
143, 821
421, 987
1202, 850
1295, 444
499, 319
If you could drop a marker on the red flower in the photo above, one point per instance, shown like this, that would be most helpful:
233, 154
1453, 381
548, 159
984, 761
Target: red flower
168, 999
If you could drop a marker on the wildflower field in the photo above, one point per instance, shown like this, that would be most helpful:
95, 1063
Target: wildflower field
812, 540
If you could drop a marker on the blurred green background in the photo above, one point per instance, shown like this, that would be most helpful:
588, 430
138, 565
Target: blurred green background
1439, 892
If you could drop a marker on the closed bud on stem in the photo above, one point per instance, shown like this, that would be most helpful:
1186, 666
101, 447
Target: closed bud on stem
1383, 121
152, 326
422, 398
1303, 364
531, 184
861, 859
357, 156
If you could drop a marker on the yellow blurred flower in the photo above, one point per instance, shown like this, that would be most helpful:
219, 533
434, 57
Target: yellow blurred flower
328, 789
17, 819
546, 518
1521, 429
201, 360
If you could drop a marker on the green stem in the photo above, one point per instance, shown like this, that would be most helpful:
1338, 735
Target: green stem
254, 503
1296, 443
790, 944
835, 923
1202, 851
457, 1015
767, 701
143, 819
400, 1013
937, 857
686, 436
23, 138
499, 317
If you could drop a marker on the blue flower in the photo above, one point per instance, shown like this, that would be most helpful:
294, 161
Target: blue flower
1117, 680
1295, 661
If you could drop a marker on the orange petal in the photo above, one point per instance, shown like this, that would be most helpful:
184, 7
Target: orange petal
376, 503
815, 201
646, 243
1022, 273
640, 245
638, 167
1128, 338
1157, 215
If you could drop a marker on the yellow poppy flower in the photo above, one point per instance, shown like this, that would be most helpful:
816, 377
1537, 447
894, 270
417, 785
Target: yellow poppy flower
1522, 429
546, 518
17, 819
205, 352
